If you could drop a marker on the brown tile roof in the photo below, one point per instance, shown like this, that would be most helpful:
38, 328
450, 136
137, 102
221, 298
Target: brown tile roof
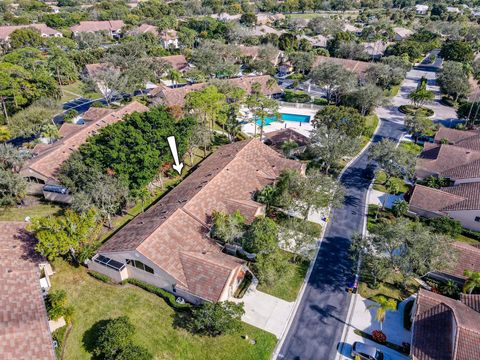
174, 232
24, 331
66, 130
146, 28
432, 200
468, 258
449, 160
93, 69
278, 137
93, 26
444, 329
49, 162
469, 191
471, 300
178, 62
5, 31
176, 96
358, 67
254, 51
453, 135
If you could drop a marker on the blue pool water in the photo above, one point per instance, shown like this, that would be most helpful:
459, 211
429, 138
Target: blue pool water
286, 117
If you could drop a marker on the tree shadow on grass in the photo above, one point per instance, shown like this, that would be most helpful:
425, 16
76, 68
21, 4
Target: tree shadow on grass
90, 336
182, 320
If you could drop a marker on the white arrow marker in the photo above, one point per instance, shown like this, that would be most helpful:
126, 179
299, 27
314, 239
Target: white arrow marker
178, 166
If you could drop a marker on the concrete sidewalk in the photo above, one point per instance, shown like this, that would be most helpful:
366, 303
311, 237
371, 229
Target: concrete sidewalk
376, 197
265, 311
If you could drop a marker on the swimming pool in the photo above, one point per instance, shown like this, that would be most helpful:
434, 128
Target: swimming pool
286, 117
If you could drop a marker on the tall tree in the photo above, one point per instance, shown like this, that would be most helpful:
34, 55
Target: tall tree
393, 160
346, 119
457, 50
262, 107
335, 79
453, 79
418, 125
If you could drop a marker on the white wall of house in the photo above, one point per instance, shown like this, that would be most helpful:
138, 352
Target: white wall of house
467, 218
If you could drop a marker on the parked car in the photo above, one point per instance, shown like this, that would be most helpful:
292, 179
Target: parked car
366, 352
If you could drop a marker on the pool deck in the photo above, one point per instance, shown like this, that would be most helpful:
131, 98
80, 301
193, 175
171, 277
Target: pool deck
302, 128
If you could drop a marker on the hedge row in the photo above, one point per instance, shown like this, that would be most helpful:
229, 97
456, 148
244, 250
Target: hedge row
165, 295
101, 277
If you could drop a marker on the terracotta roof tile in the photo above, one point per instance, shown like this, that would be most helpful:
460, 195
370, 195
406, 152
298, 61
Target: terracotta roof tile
146, 28
358, 67
49, 162
444, 328
453, 135
176, 96
471, 300
278, 137
469, 191
176, 228
432, 200
24, 331
178, 62
449, 160
468, 258
93, 26
5, 31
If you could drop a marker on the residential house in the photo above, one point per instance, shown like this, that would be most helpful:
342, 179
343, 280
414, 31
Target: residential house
453, 10
468, 258
253, 52
352, 29
177, 62
262, 30
42, 168
169, 245
226, 17
356, 66
375, 49
444, 328
402, 33
169, 39
175, 97
460, 202
317, 41
268, 19
276, 139
24, 326
111, 27
145, 28
44, 30
421, 9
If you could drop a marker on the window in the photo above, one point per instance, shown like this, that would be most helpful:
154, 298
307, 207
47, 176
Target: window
105, 261
140, 265
477, 218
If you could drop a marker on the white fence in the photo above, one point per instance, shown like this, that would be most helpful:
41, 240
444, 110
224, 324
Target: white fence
300, 105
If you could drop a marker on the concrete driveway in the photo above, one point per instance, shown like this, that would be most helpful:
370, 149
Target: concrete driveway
363, 319
265, 311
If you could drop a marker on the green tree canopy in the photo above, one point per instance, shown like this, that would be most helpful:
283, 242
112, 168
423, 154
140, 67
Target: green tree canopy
457, 50
261, 236
346, 119
216, 318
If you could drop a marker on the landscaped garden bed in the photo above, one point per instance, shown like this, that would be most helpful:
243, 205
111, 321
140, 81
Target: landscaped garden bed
412, 110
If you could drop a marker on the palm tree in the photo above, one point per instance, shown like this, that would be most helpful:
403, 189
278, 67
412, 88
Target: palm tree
383, 305
450, 288
174, 76
473, 281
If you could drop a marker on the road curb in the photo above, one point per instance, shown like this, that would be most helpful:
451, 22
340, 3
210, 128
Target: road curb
278, 347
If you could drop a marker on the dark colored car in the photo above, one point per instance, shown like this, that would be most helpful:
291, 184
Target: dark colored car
366, 352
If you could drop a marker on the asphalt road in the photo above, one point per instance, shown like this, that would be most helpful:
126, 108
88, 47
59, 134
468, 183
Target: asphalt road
318, 324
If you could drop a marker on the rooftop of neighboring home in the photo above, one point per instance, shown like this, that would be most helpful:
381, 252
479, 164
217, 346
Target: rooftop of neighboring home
145, 28
254, 52
451, 161
261, 30
468, 258
356, 66
376, 48
93, 69
178, 62
94, 26
226, 16
5, 31
444, 329
277, 138
316, 41
452, 198
351, 28
24, 331
402, 32
173, 233
50, 158
176, 96
469, 139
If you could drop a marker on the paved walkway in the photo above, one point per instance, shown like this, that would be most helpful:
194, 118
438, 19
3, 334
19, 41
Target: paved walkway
364, 319
265, 311
379, 198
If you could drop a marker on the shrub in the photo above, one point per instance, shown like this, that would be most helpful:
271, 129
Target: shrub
412, 110
320, 101
296, 96
70, 115
400, 207
165, 295
101, 277
446, 225
216, 318
379, 337
56, 304
471, 234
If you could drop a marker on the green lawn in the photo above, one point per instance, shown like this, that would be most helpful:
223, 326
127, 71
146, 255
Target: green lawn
393, 91
19, 214
76, 89
380, 179
371, 123
287, 285
411, 147
467, 239
94, 301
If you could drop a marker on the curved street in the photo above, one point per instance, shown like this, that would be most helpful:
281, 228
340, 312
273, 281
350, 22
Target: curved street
318, 323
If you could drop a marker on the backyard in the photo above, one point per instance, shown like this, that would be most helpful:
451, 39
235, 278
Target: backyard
94, 300
76, 90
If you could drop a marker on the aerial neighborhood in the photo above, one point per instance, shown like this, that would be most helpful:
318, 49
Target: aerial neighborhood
195, 179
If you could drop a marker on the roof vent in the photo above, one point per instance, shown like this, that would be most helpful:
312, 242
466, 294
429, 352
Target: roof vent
204, 252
